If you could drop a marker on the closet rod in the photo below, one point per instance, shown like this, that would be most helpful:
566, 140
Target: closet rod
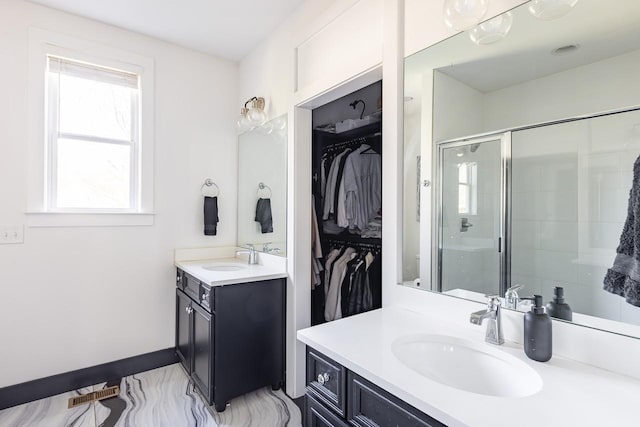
354, 141
362, 245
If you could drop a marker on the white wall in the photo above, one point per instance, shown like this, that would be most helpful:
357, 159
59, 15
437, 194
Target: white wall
77, 297
457, 108
577, 91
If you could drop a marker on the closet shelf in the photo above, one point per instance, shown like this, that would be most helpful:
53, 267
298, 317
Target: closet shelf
353, 133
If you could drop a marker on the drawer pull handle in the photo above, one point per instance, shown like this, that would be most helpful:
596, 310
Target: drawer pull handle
323, 378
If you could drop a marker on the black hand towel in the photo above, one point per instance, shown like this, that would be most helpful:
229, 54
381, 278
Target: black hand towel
624, 277
210, 216
263, 215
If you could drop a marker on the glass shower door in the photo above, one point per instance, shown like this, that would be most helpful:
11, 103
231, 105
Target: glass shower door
471, 224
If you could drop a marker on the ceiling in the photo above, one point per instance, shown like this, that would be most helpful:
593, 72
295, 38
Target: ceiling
228, 29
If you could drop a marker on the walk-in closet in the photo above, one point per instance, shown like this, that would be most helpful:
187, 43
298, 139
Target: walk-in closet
347, 206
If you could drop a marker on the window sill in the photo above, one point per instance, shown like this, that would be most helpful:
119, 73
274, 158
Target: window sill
93, 219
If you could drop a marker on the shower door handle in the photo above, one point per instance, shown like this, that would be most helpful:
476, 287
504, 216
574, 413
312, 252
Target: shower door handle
465, 225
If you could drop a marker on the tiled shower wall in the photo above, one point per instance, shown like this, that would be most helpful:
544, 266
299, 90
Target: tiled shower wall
570, 186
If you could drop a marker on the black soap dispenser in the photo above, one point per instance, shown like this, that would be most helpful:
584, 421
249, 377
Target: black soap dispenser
537, 332
558, 308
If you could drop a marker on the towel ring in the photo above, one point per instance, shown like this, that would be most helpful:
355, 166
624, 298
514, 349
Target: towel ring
262, 186
209, 183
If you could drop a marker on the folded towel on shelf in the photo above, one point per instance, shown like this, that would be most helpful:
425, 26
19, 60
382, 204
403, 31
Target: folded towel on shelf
211, 216
263, 215
623, 278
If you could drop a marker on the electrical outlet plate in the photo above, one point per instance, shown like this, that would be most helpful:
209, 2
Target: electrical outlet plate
11, 234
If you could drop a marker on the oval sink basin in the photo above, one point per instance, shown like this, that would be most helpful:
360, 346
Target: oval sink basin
224, 267
466, 365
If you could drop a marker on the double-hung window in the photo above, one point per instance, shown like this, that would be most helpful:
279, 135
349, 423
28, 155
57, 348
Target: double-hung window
92, 159
468, 188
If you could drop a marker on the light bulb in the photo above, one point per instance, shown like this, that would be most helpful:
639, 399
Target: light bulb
464, 14
265, 129
242, 123
550, 9
279, 123
257, 117
493, 30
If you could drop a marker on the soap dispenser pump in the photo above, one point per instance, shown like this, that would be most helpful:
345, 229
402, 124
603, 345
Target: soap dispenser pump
537, 332
558, 308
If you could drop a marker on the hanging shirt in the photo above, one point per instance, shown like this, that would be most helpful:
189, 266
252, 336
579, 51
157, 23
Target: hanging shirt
332, 309
361, 189
331, 186
333, 256
316, 248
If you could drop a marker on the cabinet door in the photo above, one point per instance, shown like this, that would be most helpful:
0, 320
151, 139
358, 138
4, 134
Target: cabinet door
369, 405
202, 373
319, 416
183, 329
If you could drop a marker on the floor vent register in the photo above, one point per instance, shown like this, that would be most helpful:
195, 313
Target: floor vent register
94, 396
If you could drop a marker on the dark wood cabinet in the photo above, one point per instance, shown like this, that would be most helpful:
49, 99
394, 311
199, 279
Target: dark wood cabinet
367, 405
317, 415
327, 381
370, 405
203, 351
231, 339
183, 329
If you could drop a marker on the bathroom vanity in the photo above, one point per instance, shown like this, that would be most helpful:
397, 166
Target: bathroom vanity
395, 367
337, 396
230, 325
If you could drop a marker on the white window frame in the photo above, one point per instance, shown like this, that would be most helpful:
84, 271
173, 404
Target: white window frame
42, 143
54, 134
471, 184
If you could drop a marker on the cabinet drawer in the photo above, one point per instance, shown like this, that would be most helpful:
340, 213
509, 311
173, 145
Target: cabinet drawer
370, 405
191, 286
319, 416
328, 380
206, 297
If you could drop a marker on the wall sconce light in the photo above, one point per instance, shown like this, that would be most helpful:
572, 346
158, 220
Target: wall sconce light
550, 9
493, 30
464, 14
252, 114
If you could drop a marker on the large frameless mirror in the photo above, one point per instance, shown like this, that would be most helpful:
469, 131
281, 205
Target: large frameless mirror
262, 187
519, 159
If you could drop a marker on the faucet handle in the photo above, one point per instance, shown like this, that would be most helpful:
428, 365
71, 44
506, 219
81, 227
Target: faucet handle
494, 302
515, 288
511, 297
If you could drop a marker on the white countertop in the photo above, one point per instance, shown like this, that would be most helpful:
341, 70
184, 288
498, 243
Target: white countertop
247, 272
572, 394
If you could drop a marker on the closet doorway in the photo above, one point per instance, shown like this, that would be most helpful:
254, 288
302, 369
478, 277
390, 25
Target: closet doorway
347, 205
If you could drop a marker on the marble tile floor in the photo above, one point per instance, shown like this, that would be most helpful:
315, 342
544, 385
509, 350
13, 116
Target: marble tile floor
162, 397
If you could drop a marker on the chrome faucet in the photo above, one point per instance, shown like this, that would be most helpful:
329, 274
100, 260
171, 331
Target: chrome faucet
253, 254
494, 322
511, 297
269, 250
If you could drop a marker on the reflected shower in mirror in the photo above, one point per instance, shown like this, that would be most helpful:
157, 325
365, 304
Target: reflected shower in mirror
262, 187
530, 144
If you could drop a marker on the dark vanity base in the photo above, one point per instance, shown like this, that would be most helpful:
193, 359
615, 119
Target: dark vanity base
337, 397
238, 345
